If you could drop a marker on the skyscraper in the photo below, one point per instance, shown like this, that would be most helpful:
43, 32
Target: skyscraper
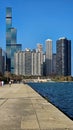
11, 40
23, 62
63, 57
48, 57
39, 47
54, 64
2, 61
34, 62
19, 63
28, 63
39, 58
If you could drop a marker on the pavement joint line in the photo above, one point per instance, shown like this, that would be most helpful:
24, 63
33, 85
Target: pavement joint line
36, 116
3, 102
14, 109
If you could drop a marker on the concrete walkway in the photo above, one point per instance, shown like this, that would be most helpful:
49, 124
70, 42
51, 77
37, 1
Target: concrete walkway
21, 108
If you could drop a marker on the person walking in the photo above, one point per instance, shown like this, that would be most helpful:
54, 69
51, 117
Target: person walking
9, 83
2, 83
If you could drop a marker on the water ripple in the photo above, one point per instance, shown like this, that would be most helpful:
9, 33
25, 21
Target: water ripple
59, 94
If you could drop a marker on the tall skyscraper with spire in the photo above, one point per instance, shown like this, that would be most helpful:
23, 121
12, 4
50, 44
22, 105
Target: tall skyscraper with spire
11, 41
63, 57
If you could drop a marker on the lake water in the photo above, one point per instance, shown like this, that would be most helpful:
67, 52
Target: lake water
59, 94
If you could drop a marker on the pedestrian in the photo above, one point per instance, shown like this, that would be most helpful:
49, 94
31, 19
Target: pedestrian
2, 83
9, 83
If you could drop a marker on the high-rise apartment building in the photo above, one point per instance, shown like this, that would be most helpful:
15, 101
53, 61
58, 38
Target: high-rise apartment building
40, 60
19, 58
28, 63
34, 62
11, 40
63, 57
39, 63
16, 63
39, 47
54, 64
44, 64
23, 62
48, 57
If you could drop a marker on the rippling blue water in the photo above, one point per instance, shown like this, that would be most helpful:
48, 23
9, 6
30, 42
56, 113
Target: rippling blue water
60, 94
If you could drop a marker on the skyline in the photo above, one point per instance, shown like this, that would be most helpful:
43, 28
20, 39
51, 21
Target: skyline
38, 20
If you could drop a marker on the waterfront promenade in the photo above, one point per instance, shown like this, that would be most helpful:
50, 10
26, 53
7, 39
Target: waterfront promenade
21, 108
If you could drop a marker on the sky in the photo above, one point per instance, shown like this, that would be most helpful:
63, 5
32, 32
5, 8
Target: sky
38, 20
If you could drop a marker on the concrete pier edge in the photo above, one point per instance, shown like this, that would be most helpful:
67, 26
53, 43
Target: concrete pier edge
22, 108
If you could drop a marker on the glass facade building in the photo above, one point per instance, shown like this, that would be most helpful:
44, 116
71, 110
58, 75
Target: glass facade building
8, 25
2, 61
11, 49
63, 57
11, 40
54, 64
